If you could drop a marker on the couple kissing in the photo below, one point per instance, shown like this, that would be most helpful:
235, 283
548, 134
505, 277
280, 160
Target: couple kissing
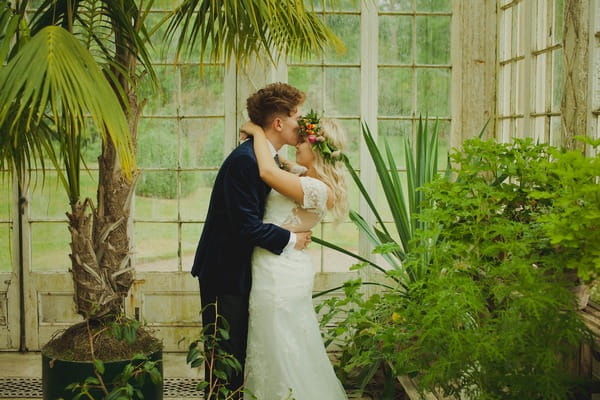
250, 260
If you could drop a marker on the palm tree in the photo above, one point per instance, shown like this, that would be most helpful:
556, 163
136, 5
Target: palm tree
79, 60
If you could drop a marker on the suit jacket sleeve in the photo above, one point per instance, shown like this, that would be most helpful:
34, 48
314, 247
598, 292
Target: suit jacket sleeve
244, 198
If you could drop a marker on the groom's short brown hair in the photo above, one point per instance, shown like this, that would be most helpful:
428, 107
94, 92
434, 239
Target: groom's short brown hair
272, 100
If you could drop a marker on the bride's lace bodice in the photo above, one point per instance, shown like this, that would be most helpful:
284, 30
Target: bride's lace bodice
298, 217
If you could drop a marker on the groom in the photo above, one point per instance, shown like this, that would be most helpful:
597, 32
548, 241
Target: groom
234, 221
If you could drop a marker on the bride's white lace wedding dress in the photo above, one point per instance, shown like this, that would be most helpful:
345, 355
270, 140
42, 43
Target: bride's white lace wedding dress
285, 354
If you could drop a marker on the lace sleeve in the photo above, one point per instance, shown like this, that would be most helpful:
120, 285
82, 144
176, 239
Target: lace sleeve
315, 193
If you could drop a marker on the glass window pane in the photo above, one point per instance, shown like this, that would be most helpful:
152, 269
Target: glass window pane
395, 91
156, 246
309, 59
433, 40
394, 133
344, 235
504, 86
540, 29
539, 135
156, 194
395, 40
91, 145
443, 143
159, 52
164, 99
354, 194
559, 16
383, 206
48, 198
50, 246
5, 196
6, 253
433, 92
343, 91
555, 131
516, 100
341, 5
506, 34
347, 28
539, 99
518, 21
434, 5
353, 138
196, 188
202, 142
202, 91
310, 81
557, 79
396, 5
158, 143
165, 4
190, 235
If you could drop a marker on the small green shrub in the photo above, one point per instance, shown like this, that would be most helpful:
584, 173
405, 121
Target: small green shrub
573, 226
493, 316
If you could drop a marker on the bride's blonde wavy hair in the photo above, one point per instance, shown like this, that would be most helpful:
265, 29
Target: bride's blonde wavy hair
333, 173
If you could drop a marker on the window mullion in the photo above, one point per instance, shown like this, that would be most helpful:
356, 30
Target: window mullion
368, 108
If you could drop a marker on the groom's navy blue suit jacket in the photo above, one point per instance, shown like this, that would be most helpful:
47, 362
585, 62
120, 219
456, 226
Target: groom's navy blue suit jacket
234, 226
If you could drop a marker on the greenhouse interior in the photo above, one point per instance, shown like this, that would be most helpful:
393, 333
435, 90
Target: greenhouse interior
463, 267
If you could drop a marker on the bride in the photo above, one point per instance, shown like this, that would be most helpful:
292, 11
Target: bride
285, 356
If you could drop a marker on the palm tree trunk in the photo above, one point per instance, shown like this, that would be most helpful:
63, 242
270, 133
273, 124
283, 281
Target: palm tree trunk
101, 254
94, 295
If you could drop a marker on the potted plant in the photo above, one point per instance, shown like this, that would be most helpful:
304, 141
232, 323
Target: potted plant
52, 89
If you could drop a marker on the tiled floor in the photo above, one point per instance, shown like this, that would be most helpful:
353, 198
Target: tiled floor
21, 373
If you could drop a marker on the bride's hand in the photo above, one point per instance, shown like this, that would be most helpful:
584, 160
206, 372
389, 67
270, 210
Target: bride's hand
249, 129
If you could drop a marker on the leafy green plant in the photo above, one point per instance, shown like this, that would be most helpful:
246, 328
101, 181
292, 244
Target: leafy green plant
494, 317
130, 381
126, 385
207, 351
573, 225
404, 203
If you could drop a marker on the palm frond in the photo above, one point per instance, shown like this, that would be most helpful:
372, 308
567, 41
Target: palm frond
96, 21
230, 29
54, 77
9, 24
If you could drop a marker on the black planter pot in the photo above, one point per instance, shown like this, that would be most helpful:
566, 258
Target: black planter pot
58, 374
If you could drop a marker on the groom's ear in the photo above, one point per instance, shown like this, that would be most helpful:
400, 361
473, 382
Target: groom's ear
277, 124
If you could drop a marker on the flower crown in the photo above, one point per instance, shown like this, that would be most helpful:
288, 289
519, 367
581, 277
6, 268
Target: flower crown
310, 129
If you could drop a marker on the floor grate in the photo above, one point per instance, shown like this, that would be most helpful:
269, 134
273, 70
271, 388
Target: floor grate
20, 387
32, 388
181, 387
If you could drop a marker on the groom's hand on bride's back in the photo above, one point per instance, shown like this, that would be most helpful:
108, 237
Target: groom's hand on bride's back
302, 240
